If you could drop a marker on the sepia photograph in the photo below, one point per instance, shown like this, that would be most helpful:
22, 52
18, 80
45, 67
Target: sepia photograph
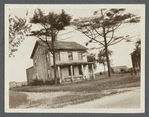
82, 58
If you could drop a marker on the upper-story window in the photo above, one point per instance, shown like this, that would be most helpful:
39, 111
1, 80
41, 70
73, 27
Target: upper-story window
80, 56
47, 57
57, 56
70, 57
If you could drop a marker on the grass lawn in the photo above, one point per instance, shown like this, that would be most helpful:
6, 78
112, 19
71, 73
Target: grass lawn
116, 81
81, 92
16, 99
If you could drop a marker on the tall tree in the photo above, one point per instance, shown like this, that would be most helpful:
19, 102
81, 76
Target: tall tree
136, 56
102, 26
18, 27
51, 25
102, 58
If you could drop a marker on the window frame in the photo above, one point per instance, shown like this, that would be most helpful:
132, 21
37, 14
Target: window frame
70, 55
37, 75
49, 73
80, 56
35, 62
59, 58
47, 57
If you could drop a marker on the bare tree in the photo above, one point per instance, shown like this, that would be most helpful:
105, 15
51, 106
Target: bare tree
51, 25
101, 28
18, 28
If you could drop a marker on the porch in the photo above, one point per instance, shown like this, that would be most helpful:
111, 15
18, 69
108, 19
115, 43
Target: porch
75, 71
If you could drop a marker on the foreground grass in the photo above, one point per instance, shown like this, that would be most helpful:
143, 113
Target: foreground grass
16, 99
86, 86
72, 99
80, 92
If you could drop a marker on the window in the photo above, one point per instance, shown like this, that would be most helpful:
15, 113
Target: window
37, 76
35, 62
49, 73
57, 56
69, 70
70, 57
45, 63
80, 56
80, 71
48, 57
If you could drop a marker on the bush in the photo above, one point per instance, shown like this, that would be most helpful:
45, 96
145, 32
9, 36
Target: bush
100, 73
49, 82
23, 85
36, 82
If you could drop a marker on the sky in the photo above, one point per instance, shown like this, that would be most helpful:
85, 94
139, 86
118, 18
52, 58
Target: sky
21, 61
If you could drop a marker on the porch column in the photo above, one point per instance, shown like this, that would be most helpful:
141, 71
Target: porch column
82, 71
71, 73
59, 74
93, 71
87, 72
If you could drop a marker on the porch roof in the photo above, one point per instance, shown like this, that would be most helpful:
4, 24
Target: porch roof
73, 63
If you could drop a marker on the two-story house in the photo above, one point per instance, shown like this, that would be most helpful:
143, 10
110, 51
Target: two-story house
71, 62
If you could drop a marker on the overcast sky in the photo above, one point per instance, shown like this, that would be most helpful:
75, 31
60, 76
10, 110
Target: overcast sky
121, 56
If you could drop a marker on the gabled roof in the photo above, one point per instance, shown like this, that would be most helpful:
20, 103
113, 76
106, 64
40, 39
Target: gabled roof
61, 45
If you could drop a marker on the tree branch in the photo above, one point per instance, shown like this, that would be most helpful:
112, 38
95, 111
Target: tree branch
98, 33
115, 42
111, 37
94, 39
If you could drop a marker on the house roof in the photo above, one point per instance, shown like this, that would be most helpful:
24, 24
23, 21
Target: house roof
60, 45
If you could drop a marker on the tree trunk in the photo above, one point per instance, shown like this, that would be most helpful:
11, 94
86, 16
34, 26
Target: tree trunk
106, 51
108, 63
104, 70
54, 63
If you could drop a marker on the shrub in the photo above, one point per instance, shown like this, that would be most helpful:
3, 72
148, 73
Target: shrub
49, 82
37, 82
23, 85
101, 73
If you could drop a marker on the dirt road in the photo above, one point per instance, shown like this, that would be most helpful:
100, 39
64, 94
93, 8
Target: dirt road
130, 99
